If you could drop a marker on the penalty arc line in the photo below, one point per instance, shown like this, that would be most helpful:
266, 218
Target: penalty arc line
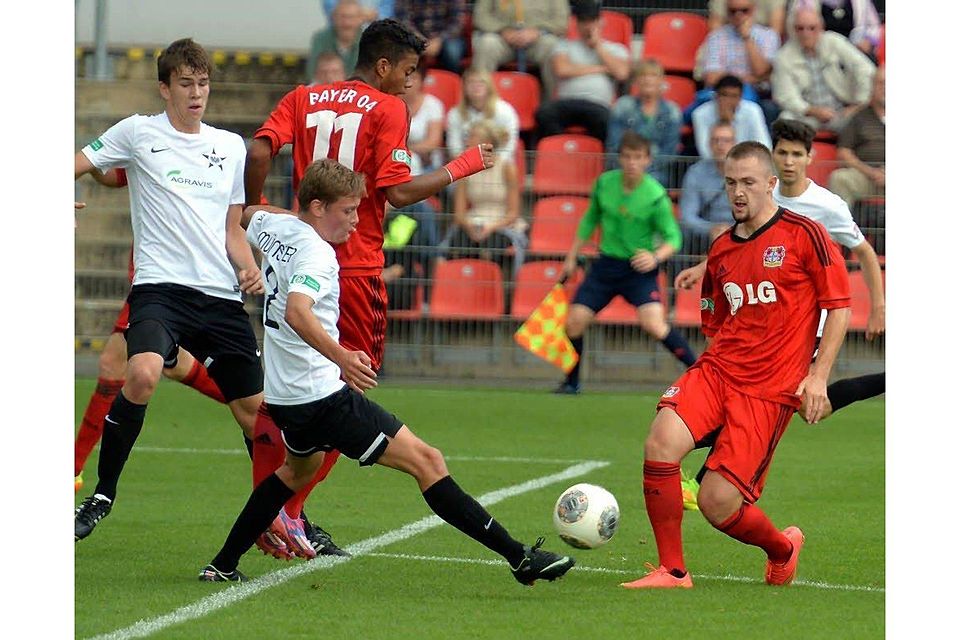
234, 594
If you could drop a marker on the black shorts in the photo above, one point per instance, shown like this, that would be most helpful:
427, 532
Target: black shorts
345, 420
217, 331
609, 277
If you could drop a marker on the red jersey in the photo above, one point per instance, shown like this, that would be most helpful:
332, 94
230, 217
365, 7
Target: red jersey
761, 300
362, 128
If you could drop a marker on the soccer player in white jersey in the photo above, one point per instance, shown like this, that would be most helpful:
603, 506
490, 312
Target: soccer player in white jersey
314, 408
192, 260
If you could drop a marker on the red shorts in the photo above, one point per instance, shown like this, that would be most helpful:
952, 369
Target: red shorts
123, 319
363, 315
747, 429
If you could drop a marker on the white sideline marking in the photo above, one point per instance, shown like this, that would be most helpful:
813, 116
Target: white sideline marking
727, 578
236, 593
243, 452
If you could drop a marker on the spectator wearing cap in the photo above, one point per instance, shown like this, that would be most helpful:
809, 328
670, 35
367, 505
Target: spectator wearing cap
587, 70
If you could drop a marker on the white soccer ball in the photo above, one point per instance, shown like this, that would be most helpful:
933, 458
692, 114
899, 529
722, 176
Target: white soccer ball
586, 516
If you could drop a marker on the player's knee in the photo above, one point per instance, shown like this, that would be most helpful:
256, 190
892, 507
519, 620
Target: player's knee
428, 464
434, 461
716, 505
141, 381
112, 365
660, 447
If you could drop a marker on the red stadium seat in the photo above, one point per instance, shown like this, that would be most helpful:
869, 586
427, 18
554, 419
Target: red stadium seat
567, 163
467, 288
520, 159
860, 300
414, 312
672, 38
681, 90
554, 224
522, 91
614, 26
824, 162
619, 311
534, 280
444, 85
686, 310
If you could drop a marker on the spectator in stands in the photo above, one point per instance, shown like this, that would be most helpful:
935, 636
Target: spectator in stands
742, 48
425, 138
486, 206
856, 20
341, 37
440, 23
370, 10
587, 71
728, 104
769, 13
480, 101
328, 68
523, 30
646, 112
819, 77
861, 149
704, 207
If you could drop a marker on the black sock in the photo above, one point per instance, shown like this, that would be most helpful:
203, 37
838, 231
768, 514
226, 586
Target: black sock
844, 392
121, 426
248, 443
677, 345
461, 510
262, 507
573, 378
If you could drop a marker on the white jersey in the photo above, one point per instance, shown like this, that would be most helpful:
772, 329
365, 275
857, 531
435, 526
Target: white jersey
295, 260
825, 207
181, 185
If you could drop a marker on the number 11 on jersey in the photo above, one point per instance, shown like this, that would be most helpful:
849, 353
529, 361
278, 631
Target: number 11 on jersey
327, 123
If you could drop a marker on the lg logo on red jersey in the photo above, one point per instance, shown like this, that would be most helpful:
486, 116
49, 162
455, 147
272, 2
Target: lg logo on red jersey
764, 293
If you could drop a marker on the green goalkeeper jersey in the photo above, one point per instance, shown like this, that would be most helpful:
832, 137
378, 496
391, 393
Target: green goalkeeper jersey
640, 219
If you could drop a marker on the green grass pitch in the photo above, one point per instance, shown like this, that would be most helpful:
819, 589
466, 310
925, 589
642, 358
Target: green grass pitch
189, 476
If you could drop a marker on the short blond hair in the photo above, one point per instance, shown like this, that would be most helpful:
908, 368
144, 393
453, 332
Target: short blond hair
327, 180
490, 131
648, 66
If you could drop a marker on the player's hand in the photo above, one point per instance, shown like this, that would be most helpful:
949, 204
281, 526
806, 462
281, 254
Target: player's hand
644, 261
814, 403
250, 281
569, 266
487, 154
688, 278
876, 322
356, 371
76, 207
879, 177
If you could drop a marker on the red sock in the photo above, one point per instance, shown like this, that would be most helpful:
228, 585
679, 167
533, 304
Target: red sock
751, 525
664, 500
268, 448
294, 505
91, 428
199, 379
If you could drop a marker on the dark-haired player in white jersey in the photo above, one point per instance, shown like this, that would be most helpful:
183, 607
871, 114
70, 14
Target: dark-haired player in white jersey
193, 262
315, 410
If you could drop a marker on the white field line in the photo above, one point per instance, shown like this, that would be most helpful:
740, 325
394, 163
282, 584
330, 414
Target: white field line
636, 572
236, 593
243, 452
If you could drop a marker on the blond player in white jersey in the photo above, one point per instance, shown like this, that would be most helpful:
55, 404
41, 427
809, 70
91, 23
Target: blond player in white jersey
315, 410
192, 259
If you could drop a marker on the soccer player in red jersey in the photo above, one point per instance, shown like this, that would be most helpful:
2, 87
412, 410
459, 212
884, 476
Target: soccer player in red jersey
362, 123
767, 279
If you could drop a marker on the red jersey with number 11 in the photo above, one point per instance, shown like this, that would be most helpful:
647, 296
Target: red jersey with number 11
362, 128
761, 301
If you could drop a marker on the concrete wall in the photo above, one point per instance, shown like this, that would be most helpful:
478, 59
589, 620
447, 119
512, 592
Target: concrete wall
282, 25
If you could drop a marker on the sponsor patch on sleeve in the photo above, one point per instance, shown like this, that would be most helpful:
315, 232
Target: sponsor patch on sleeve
401, 155
96, 145
305, 280
706, 304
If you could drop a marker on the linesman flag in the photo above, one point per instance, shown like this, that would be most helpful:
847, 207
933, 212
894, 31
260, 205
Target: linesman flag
542, 334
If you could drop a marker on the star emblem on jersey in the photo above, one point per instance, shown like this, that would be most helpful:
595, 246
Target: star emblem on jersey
773, 256
214, 159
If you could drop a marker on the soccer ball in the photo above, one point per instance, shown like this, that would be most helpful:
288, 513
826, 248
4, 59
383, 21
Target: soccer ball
586, 516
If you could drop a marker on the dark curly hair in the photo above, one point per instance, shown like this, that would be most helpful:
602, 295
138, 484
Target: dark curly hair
388, 39
793, 131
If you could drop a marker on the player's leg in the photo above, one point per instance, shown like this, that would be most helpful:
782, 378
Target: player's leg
579, 319
736, 473
642, 291
192, 373
112, 367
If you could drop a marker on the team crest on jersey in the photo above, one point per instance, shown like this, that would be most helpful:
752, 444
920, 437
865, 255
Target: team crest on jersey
401, 155
773, 256
671, 391
214, 159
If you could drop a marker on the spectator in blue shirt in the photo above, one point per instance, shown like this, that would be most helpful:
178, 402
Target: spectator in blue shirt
647, 113
728, 104
704, 208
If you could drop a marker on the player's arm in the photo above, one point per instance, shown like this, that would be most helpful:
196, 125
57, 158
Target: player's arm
873, 276
249, 212
813, 388
471, 161
588, 223
240, 253
354, 365
259, 159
